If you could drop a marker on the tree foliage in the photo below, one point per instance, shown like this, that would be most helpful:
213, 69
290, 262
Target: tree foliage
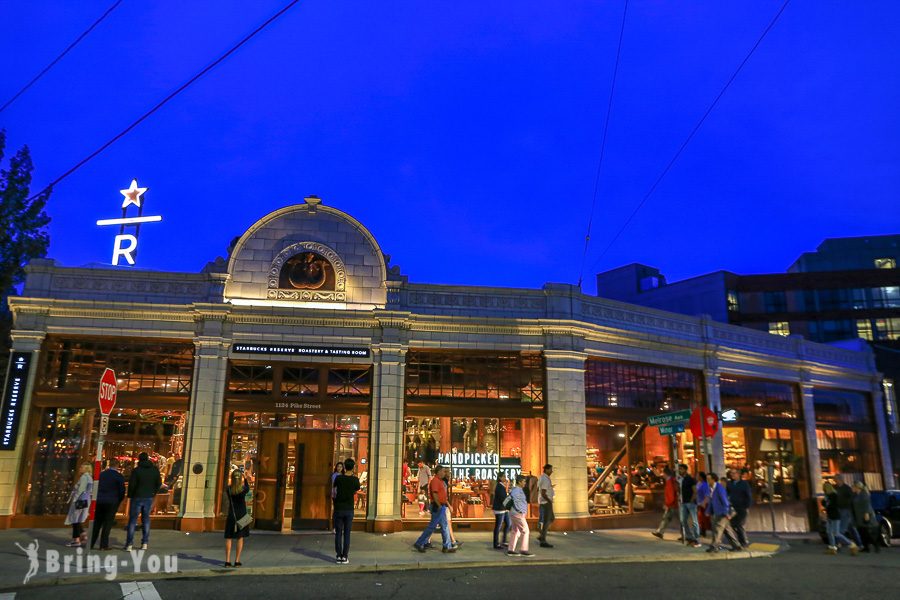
23, 221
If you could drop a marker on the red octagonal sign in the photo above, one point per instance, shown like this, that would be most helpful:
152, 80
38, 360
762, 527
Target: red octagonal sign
710, 422
108, 391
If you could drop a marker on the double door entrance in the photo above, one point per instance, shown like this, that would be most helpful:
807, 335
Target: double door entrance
293, 482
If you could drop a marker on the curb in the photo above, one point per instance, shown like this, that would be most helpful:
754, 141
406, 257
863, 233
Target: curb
393, 567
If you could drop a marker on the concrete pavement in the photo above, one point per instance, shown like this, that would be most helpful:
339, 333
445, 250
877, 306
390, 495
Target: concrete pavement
201, 554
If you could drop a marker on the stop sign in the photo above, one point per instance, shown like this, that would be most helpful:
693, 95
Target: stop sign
108, 391
710, 422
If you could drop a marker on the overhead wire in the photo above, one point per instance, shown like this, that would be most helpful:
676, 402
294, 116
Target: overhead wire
172, 95
693, 132
44, 71
612, 90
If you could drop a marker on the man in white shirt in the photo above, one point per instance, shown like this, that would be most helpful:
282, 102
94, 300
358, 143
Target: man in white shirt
545, 503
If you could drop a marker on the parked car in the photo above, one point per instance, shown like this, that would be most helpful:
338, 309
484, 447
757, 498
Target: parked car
887, 506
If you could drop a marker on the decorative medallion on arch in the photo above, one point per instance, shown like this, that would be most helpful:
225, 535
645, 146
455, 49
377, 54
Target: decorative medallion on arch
308, 272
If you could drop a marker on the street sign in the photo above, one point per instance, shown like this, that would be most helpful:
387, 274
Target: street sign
709, 424
669, 418
108, 391
730, 416
106, 397
672, 429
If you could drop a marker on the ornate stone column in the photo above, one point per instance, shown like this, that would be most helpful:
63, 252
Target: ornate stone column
386, 452
716, 444
28, 342
204, 434
814, 464
567, 436
884, 441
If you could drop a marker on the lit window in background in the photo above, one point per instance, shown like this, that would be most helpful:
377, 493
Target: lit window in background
780, 328
864, 329
733, 304
885, 263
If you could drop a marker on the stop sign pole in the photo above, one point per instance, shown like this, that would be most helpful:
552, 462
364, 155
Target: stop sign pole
106, 398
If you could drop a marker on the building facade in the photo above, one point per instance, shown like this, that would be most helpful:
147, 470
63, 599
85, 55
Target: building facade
306, 347
847, 290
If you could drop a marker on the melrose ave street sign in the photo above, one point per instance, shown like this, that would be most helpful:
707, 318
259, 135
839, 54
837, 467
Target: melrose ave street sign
669, 418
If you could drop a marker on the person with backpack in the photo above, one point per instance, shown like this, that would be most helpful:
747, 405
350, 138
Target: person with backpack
741, 497
833, 522
143, 486
501, 512
671, 499
719, 510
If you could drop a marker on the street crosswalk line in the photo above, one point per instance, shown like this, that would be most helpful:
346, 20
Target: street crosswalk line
8, 596
138, 590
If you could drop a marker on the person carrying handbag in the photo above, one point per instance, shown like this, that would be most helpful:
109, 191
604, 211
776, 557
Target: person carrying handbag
237, 524
80, 506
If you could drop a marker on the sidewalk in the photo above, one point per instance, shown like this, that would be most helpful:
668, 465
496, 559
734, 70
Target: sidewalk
201, 554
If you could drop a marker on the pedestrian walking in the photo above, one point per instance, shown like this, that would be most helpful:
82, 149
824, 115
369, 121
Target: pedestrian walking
864, 517
110, 493
545, 505
845, 506
670, 489
345, 485
80, 506
237, 523
453, 539
518, 511
719, 510
143, 485
437, 495
702, 503
833, 522
501, 512
688, 510
740, 495
423, 476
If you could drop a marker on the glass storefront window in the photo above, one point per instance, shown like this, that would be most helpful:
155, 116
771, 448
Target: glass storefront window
769, 455
250, 380
476, 449
851, 454
623, 385
76, 365
757, 398
512, 378
841, 406
66, 437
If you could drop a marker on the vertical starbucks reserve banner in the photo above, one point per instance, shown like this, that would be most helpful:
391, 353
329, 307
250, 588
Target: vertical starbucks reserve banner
13, 398
289, 350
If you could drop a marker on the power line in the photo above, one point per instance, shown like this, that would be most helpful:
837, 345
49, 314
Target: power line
692, 133
64, 52
612, 89
165, 100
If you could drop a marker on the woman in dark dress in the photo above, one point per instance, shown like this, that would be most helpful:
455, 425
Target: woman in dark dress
236, 493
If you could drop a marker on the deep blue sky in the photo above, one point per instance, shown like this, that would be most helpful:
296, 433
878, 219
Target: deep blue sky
465, 135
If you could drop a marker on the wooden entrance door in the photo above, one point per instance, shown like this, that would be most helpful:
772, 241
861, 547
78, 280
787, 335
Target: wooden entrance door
270, 480
312, 480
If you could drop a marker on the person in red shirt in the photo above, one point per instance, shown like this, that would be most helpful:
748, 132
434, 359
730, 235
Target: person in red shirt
671, 499
440, 504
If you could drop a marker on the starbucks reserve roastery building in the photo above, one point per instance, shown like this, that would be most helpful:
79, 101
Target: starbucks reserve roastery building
305, 347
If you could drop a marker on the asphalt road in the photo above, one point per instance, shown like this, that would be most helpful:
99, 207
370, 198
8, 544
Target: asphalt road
804, 571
